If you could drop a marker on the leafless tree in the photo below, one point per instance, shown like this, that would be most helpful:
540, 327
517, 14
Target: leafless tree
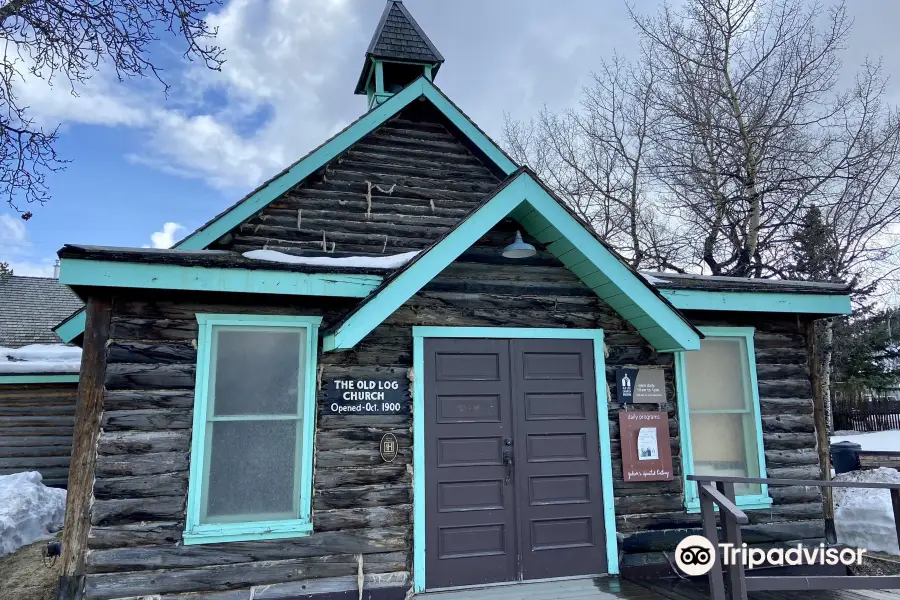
68, 40
596, 159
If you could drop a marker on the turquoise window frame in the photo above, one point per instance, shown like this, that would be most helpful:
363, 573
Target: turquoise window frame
195, 531
691, 499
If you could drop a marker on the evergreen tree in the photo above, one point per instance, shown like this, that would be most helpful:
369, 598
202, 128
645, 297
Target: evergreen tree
5, 269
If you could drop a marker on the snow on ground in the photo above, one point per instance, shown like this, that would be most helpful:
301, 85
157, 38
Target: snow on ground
390, 261
878, 440
863, 517
40, 358
29, 510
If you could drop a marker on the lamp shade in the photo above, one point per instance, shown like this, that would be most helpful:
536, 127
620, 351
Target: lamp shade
519, 248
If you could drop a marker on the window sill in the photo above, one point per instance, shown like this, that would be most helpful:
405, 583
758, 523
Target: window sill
743, 502
242, 532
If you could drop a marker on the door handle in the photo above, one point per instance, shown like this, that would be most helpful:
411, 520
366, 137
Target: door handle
508, 466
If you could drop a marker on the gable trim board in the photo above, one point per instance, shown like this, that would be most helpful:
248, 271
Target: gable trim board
38, 378
814, 304
100, 273
544, 217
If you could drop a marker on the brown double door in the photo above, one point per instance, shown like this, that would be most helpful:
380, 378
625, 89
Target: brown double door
512, 473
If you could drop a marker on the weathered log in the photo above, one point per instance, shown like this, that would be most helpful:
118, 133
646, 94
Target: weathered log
787, 423
35, 451
146, 558
804, 472
115, 400
362, 496
136, 534
788, 441
331, 478
143, 442
84, 443
34, 441
787, 388
379, 585
147, 353
134, 510
357, 458
375, 517
129, 376
635, 504
353, 438
225, 577
386, 422
648, 541
147, 420
27, 463
130, 328
787, 512
794, 494
147, 486
119, 465
788, 458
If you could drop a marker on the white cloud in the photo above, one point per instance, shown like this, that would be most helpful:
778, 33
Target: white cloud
17, 250
267, 110
166, 237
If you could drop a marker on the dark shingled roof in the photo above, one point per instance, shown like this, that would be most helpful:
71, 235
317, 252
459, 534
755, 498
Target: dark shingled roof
711, 283
399, 37
30, 307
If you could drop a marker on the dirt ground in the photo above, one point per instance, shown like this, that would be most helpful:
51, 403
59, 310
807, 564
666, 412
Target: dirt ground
23, 575
876, 563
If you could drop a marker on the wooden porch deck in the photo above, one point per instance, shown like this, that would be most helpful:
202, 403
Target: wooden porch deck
623, 589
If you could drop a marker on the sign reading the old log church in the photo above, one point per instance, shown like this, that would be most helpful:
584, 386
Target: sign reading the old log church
367, 396
646, 453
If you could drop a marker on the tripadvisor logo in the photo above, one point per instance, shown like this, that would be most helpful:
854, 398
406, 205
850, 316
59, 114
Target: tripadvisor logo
695, 555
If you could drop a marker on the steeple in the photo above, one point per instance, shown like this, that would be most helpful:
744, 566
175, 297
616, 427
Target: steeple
398, 54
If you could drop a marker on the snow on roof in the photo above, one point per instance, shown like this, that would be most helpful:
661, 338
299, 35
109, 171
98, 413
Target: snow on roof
390, 261
651, 279
40, 358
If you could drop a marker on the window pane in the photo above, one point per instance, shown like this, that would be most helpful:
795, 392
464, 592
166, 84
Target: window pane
257, 371
717, 375
252, 471
723, 420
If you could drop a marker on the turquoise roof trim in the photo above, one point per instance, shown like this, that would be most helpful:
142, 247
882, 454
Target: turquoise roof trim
542, 216
813, 304
72, 327
98, 273
38, 378
321, 156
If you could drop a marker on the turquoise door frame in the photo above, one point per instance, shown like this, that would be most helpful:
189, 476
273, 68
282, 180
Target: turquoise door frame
419, 335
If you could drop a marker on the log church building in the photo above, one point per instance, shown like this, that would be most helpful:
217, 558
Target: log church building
403, 364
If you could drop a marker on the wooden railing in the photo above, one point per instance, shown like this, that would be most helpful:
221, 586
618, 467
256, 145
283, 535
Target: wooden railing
718, 492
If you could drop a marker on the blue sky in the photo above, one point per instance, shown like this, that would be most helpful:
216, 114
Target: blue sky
141, 160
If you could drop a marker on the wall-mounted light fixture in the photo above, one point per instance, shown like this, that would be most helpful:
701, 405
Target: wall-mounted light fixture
519, 249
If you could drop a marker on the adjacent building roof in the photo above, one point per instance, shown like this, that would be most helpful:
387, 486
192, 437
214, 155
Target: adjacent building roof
30, 307
678, 281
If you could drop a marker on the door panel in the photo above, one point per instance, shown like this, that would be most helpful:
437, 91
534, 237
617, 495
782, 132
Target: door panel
557, 451
470, 513
512, 461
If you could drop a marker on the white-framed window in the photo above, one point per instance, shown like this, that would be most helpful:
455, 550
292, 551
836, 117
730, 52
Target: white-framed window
254, 422
719, 414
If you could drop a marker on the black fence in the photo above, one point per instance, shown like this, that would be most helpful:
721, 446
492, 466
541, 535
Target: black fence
872, 413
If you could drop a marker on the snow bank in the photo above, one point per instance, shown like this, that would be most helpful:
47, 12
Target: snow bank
29, 510
390, 261
40, 358
864, 518
878, 440
652, 280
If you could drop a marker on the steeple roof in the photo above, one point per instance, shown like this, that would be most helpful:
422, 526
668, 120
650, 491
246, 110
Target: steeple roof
398, 37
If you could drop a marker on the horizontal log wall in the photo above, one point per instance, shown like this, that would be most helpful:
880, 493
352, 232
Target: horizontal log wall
361, 505
36, 422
